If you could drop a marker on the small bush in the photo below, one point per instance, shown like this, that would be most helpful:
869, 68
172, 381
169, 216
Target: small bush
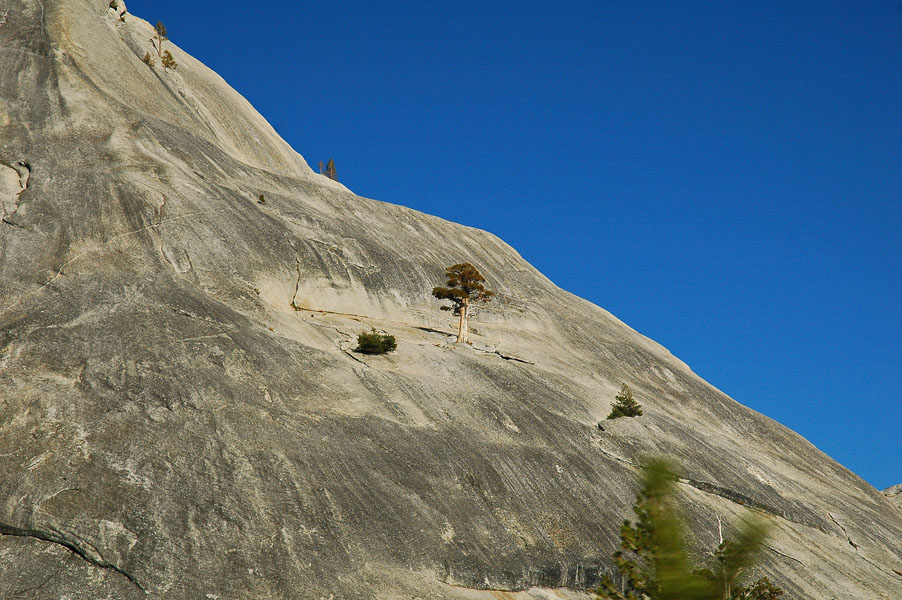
148, 60
168, 61
762, 589
625, 405
375, 343
261, 200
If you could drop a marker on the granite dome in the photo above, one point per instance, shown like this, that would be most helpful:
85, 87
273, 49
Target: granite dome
181, 415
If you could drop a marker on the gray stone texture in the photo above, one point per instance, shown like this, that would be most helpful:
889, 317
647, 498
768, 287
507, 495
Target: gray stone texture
181, 415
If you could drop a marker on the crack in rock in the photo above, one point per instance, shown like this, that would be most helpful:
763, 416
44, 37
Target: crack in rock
772, 549
513, 358
345, 333
190, 315
297, 283
845, 533
40, 585
9, 181
475, 349
91, 555
853, 544
619, 459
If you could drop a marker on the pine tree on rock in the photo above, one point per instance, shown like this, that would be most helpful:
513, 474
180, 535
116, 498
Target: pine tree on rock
465, 285
625, 405
161, 36
330, 170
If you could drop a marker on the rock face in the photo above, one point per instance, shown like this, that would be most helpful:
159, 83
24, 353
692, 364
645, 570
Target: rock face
181, 415
894, 494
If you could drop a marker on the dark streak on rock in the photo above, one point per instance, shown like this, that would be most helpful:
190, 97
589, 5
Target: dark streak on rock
56, 537
740, 498
297, 283
514, 358
774, 550
431, 330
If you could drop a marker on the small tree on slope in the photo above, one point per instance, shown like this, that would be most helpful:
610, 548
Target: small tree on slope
625, 405
464, 286
330, 170
160, 35
168, 60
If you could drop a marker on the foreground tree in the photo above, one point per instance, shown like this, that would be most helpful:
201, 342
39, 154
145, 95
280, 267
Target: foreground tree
653, 561
464, 286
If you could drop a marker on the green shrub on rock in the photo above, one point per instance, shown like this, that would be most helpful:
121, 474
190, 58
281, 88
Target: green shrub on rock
375, 343
168, 61
625, 405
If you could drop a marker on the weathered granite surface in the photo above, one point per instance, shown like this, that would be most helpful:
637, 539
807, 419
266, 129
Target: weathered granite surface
894, 494
172, 427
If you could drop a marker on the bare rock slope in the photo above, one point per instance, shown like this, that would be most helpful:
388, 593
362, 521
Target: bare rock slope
894, 494
181, 415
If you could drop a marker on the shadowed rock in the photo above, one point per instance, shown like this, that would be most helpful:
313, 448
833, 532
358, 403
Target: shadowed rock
181, 415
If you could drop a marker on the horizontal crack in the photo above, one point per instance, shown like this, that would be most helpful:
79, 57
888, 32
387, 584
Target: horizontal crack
513, 358
6, 221
56, 537
431, 330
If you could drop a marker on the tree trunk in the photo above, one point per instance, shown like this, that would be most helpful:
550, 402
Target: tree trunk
463, 329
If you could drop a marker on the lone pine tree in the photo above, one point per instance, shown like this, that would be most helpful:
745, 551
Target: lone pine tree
161, 36
625, 405
328, 170
464, 286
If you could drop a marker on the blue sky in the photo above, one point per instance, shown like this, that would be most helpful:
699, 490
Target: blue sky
725, 177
